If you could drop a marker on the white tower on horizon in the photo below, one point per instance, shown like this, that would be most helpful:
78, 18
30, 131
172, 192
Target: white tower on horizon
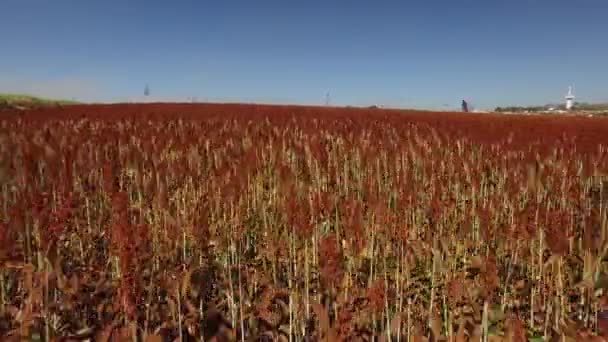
569, 99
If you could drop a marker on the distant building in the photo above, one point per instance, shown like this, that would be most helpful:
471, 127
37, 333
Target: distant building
569, 99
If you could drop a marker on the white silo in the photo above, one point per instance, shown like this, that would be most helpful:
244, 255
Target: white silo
569, 99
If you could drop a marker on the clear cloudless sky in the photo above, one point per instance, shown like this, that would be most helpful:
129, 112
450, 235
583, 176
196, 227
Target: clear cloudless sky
419, 53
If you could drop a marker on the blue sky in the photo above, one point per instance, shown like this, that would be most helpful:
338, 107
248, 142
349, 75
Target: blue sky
420, 54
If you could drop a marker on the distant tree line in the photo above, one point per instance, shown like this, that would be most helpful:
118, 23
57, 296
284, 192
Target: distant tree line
591, 106
577, 105
518, 109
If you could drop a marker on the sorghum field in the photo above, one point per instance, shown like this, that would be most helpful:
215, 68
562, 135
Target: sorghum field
167, 222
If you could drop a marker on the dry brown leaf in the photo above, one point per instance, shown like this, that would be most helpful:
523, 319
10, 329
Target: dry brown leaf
476, 334
121, 335
284, 306
461, 334
496, 338
436, 326
396, 325
477, 263
568, 328
153, 338
11, 338
516, 331
192, 309
322, 317
418, 338
324, 324
104, 334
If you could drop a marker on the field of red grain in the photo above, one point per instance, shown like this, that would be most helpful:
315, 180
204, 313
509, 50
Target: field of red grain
202, 222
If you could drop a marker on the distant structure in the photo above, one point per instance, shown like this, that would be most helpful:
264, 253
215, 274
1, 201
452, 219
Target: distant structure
569, 99
146, 91
465, 106
327, 99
